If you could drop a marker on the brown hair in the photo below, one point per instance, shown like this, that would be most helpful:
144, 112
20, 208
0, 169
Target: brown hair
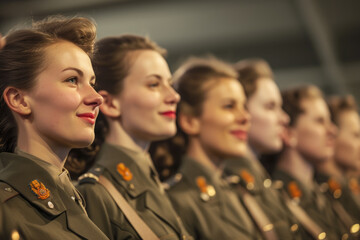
293, 98
250, 70
338, 105
192, 81
22, 59
113, 58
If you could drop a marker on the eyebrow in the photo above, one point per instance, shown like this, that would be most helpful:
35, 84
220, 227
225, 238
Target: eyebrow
170, 80
81, 73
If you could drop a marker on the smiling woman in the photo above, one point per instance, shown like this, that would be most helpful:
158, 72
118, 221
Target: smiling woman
46, 88
139, 107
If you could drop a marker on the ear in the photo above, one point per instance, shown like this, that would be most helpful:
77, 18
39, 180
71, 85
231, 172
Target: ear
111, 106
17, 101
290, 137
189, 124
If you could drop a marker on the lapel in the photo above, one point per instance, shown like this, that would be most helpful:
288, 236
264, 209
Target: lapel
55, 204
218, 203
15, 164
141, 186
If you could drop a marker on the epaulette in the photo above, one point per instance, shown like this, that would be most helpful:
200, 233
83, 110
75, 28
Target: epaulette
92, 176
6, 192
172, 181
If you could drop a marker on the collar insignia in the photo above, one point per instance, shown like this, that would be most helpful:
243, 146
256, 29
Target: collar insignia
206, 191
294, 190
124, 172
335, 188
39, 189
248, 179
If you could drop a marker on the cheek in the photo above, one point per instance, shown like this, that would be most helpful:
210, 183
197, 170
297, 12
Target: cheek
143, 103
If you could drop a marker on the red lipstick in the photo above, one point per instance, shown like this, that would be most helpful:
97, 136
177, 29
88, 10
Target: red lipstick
169, 114
88, 117
240, 134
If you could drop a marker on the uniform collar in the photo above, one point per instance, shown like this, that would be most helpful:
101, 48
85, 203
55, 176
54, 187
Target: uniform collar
31, 170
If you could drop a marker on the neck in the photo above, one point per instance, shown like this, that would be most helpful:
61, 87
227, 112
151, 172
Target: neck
329, 168
118, 136
197, 152
297, 166
33, 144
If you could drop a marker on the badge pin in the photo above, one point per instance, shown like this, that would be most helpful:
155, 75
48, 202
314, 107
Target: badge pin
294, 190
248, 178
39, 189
206, 191
124, 172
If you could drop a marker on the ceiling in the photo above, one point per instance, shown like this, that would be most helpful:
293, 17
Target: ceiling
305, 41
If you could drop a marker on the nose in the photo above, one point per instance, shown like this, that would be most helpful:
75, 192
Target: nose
284, 119
172, 97
93, 98
333, 129
243, 117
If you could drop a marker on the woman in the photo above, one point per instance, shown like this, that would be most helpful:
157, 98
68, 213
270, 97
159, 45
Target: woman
139, 107
48, 106
213, 125
309, 142
337, 174
268, 121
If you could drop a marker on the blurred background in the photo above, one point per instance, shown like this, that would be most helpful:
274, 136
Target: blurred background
305, 41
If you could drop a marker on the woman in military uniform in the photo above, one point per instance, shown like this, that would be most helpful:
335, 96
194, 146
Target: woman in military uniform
309, 141
139, 107
48, 106
268, 121
213, 125
336, 176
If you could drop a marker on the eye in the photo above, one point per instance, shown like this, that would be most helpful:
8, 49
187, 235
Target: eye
154, 84
229, 106
72, 80
270, 106
93, 84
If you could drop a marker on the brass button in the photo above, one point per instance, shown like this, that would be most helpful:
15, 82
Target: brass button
267, 183
322, 236
50, 205
268, 227
345, 236
131, 186
8, 189
355, 228
294, 227
15, 235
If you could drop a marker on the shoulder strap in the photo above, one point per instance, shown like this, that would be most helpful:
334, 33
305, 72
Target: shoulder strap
310, 226
261, 220
139, 225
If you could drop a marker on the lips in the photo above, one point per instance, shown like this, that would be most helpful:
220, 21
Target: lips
240, 134
88, 117
169, 114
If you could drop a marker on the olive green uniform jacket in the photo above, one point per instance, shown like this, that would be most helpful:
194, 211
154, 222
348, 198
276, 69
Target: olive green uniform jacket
141, 192
267, 198
337, 190
56, 216
315, 204
209, 208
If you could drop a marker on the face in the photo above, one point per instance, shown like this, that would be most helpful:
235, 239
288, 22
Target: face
267, 117
148, 102
314, 131
64, 105
224, 121
347, 150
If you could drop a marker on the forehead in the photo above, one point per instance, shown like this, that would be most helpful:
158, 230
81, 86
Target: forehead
349, 119
266, 90
65, 54
315, 106
224, 87
146, 62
